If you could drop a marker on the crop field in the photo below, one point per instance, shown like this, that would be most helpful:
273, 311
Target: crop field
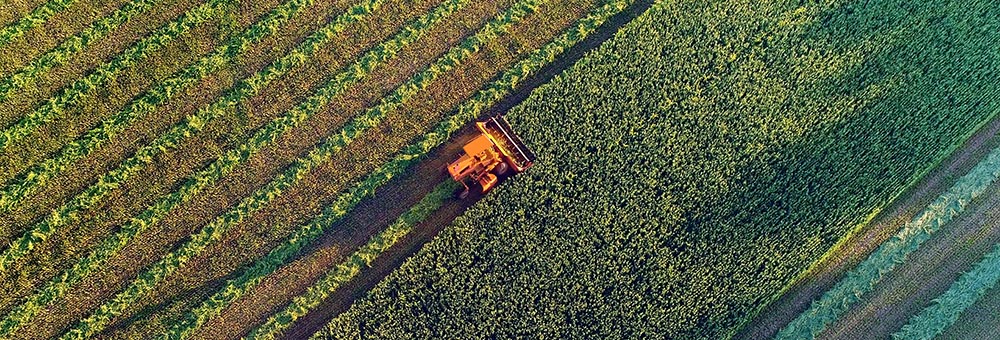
221, 169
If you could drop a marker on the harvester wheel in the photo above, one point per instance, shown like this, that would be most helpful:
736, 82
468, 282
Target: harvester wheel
501, 169
462, 194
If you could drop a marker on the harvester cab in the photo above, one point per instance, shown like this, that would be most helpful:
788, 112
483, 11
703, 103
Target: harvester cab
495, 152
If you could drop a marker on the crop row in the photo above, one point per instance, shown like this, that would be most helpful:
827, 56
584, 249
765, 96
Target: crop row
211, 173
468, 111
110, 181
72, 45
38, 16
213, 231
361, 258
945, 309
894, 251
309, 232
56, 106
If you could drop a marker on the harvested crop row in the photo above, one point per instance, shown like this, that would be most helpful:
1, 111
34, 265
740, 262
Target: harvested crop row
213, 231
363, 257
173, 137
71, 46
469, 110
737, 164
56, 106
37, 17
273, 160
207, 176
945, 310
233, 158
894, 251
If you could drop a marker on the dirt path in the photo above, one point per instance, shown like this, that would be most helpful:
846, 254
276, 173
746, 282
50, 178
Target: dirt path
857, 247
404, 191
925, 275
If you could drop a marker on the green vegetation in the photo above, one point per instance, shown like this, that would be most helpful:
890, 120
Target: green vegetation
351, 75
68, 48
361, 258
57, 105
37, 17
968, 289
694, 164
212, 232
221, 166
862, 279
69, 212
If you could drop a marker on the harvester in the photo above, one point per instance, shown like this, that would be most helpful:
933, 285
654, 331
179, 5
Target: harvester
493, 153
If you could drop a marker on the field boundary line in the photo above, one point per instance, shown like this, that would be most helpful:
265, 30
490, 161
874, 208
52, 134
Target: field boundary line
893, 251
275, 325
213, 231
56, 106
36, 17
206, 176
856, 230
72, 45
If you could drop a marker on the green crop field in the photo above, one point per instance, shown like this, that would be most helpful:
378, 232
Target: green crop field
221, 169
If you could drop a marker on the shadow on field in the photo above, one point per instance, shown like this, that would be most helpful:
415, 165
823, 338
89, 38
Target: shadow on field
917, 78
397, 196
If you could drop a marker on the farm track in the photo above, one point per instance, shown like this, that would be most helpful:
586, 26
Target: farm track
149, 281
347, 231
76, 207
926, 274
858, 246
256, 306
355, 100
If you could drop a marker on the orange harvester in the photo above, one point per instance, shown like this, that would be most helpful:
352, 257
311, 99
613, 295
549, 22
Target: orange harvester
493, 153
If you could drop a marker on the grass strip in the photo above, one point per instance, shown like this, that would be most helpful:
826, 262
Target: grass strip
38, 16
237, 287
57, 106
945, 310
361, 258
72, 45
208, 175
862, 279
213, 231
69, 212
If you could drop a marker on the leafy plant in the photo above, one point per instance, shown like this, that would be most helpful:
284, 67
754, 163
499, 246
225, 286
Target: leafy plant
213, 231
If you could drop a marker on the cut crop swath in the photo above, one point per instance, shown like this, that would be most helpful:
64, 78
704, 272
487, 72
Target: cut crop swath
72, 45
361, 258
110, 181
38, 16
946, 309
56, 106
233, 158
862, 279
203, 178
410, 155
213, 231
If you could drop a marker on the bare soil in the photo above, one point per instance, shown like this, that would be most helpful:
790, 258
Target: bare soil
858, 246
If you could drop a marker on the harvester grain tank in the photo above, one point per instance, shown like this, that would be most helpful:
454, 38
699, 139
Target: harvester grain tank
496, 151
